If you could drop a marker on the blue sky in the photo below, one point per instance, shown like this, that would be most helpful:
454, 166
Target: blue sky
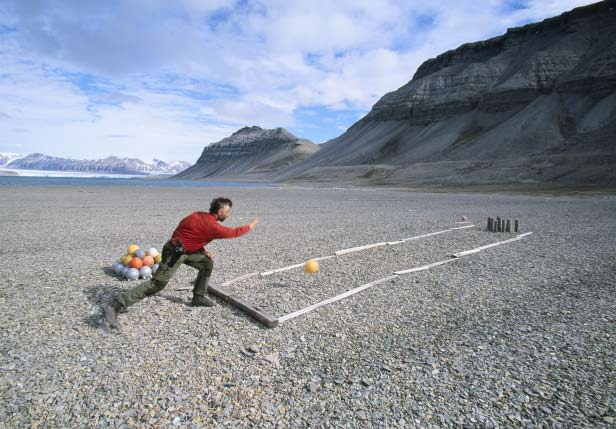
159, 79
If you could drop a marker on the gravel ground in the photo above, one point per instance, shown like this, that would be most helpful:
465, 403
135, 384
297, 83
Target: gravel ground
522, 335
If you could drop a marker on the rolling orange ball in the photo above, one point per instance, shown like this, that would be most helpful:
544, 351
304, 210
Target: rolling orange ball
311, 266
136, 263
148, 261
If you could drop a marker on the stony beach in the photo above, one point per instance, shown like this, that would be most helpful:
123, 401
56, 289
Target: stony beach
520, 335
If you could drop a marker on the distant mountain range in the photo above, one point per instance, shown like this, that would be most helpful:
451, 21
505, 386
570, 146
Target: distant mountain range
109, 165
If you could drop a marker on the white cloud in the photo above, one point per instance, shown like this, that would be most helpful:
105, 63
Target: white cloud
167, 78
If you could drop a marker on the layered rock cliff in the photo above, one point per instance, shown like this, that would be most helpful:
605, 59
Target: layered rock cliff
252, 153
535, 105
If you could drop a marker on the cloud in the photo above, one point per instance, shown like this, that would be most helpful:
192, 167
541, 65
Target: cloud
166, 78
114, 98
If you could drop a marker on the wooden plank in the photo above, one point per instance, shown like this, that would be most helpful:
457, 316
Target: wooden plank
278, 270
346, 294
358, 248
291, 267
461, 227
237, 279
417, 237
424, 267
256, 313
487, 246
227, 283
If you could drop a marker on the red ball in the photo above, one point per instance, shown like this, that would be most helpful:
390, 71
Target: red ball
148, 261
136, 263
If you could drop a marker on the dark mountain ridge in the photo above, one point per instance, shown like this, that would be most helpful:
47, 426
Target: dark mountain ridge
536, 105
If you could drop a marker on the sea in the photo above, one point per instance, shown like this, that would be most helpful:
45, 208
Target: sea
41, 181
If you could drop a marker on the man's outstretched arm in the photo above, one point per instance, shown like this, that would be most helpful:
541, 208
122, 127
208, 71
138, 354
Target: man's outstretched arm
222, 231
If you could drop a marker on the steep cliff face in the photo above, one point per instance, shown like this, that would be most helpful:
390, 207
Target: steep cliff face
251, 153
537, 104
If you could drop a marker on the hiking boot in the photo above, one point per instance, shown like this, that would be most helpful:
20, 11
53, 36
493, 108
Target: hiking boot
110, 312
201, 301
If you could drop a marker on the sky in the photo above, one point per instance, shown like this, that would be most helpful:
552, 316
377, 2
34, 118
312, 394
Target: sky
163, 79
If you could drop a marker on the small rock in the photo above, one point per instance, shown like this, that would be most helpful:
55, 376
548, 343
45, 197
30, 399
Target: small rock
253, 348
366, 381
271, 358
247, 353
313, 386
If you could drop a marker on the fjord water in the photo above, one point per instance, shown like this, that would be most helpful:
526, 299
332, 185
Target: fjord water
18, 181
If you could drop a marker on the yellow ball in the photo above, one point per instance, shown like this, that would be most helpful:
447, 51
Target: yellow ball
311, 266
126, 259
158, 258
132, 249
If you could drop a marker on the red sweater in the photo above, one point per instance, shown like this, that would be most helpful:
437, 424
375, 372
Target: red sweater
199, 228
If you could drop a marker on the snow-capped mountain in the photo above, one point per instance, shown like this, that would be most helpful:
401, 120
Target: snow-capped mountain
8, 157
109, 165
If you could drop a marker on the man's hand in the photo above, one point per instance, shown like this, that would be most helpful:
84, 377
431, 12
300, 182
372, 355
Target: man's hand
254, 223
208, 254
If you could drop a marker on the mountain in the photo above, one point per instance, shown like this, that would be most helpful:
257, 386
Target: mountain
536, 105
251, 153
7, 158
109, 165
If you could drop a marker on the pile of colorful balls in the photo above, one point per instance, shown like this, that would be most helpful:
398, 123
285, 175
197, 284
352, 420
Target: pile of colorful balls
137, 263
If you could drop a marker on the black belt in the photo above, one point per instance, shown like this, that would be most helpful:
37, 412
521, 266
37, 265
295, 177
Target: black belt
178, 250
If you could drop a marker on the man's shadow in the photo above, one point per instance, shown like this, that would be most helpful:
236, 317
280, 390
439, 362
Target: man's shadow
100, 294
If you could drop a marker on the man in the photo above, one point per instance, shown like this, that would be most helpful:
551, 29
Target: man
187, 246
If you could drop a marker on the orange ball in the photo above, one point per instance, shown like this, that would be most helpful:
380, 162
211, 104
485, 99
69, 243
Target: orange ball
136, 263
148, 261
311, 266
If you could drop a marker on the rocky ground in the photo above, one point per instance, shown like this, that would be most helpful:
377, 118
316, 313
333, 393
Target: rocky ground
521, 335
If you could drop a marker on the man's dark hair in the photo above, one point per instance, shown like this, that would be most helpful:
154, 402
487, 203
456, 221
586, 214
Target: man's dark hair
218, 203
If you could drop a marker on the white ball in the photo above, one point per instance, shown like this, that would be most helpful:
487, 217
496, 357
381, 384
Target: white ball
132, 274
154, 268
152, 252
123, 271
117, 267
145, 272
139, 253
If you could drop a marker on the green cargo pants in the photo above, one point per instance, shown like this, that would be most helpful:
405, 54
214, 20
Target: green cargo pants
165, 272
